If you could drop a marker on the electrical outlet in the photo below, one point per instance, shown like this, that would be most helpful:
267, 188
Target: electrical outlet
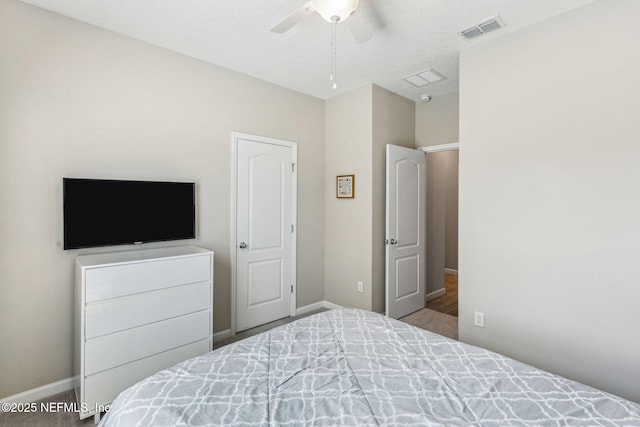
478, 319
360, 286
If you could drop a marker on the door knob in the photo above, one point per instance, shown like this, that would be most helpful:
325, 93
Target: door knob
393, 241
242, 245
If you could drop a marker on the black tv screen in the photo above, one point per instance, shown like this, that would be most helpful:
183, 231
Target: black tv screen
102, 212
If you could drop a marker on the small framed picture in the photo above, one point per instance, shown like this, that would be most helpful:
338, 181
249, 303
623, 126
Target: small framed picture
345, 186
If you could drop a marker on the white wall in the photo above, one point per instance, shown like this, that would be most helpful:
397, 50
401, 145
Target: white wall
549, 200
79, 101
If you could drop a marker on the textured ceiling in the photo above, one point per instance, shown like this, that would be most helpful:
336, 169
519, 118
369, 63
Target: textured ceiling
408, 36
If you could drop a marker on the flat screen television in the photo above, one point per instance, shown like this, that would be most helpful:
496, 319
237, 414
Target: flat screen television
104, 212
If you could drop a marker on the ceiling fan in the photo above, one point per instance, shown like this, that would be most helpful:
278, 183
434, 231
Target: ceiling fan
332, 11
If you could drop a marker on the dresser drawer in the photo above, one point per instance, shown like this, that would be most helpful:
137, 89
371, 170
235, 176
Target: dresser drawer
116, 349
120, 280
117, 314
104, 387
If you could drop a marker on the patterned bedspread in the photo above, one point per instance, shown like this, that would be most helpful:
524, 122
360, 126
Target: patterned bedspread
356, 368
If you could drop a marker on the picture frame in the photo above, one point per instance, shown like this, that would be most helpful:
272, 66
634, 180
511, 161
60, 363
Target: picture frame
345, 186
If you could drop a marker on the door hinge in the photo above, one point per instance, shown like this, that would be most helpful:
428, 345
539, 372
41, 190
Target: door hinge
293, 167
292, 228
291, 288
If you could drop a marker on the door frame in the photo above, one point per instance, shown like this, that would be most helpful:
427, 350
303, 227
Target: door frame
235, 136
442, 147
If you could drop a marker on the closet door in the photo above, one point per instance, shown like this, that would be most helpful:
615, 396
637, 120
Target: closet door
265, 237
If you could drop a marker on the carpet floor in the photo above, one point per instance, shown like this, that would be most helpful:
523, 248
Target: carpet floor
440, 323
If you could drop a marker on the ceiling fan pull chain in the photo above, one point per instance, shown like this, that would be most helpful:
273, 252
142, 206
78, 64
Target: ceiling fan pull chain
333, 76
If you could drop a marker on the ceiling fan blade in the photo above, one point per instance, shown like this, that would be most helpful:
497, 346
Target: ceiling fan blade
291, 20
359, 27
373, 17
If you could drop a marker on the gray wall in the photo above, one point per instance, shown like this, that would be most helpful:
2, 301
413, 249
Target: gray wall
451, 209
437, 120
348, 222
79, 101
549, 200
393, 123
437, 123
436, 216
442, 216
358, 126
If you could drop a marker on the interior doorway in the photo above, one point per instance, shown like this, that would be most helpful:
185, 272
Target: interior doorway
442, 228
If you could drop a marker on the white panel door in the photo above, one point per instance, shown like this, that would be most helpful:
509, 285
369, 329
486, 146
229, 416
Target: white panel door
264, 232
405, 278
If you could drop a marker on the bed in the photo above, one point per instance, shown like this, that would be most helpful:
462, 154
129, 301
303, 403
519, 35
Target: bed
356, 368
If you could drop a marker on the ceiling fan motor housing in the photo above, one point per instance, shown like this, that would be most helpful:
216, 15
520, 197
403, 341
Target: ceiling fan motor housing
335, 10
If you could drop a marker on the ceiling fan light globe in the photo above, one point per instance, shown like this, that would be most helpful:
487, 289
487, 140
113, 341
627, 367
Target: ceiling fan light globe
335, 10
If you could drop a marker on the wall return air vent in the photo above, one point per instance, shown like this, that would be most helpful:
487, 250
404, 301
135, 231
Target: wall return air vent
486, 26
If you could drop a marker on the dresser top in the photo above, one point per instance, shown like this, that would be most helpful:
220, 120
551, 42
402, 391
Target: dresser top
140, 255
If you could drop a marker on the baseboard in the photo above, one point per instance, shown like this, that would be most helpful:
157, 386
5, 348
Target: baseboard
331, 306
219, 336
309, 308
435, 294
41, 392
316, 306
451, 271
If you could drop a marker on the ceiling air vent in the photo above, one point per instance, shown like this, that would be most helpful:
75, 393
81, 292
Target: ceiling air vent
424, 78
491, 24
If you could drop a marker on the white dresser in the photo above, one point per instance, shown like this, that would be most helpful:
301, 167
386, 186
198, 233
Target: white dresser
138, 312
